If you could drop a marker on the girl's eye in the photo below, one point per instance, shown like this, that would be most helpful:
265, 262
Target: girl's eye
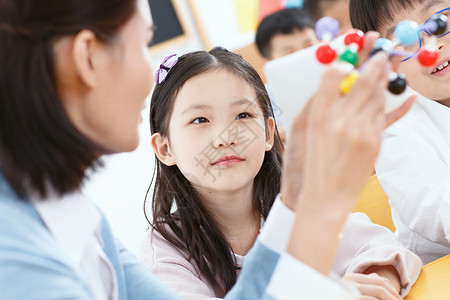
243, 116
199, 120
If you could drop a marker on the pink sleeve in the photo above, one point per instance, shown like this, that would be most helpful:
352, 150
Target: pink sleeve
364, 244
170, 265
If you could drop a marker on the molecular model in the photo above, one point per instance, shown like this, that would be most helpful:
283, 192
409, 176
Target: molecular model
407, 33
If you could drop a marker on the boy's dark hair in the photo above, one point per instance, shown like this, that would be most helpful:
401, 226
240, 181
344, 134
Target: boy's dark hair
39, 146
371, 15
191, 228
314, 7
283, 21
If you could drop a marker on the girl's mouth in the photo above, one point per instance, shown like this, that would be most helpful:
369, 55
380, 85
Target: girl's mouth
227, 161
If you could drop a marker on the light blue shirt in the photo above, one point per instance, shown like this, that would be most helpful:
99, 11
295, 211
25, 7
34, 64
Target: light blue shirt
34, 266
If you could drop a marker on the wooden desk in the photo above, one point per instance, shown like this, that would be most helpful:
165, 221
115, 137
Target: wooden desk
433, 282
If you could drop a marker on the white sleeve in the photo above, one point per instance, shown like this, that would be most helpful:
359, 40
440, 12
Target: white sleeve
277, 229
291, 276
414, 171
293, 279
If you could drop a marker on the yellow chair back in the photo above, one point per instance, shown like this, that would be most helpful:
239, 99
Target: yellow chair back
375, 204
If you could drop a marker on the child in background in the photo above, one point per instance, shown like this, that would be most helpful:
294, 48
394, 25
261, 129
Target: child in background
414, 164
280, 33
337, 9
219, 163
284, 32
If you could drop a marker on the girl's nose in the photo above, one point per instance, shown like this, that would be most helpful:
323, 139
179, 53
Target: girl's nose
224, 143
226, 137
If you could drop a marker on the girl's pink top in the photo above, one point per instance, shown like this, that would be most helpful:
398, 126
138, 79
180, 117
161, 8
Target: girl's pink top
362, 244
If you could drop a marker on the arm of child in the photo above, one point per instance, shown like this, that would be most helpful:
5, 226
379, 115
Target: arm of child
388, 272
376, 284
368, 252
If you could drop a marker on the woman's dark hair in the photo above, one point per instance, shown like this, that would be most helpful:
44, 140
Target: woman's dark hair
371, 15
39, 146
192, 229
283, 21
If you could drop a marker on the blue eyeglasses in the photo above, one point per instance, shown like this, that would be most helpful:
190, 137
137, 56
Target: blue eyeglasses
424, 29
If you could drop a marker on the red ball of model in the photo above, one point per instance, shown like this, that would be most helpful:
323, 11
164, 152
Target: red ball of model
325, 53
427, 57
354, 36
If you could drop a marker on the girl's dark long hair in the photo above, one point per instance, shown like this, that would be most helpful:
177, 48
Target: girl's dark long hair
175, 203
39, 146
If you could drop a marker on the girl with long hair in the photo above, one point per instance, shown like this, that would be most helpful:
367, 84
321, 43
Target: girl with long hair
218, 172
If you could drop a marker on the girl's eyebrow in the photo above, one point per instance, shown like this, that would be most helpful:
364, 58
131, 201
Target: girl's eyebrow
242, 101
206, 106
430, 4
196, 107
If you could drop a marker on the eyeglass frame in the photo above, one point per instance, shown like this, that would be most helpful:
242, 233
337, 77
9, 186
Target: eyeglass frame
424, 29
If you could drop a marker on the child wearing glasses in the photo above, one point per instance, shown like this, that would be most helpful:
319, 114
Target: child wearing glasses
414, 163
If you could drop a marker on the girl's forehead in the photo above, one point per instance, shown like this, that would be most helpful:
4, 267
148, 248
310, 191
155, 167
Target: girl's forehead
214, 85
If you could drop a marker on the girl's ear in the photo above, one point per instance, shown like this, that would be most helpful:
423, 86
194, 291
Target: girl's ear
162, 150
270, 134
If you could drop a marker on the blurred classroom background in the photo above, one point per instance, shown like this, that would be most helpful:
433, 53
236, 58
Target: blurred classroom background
119, 188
